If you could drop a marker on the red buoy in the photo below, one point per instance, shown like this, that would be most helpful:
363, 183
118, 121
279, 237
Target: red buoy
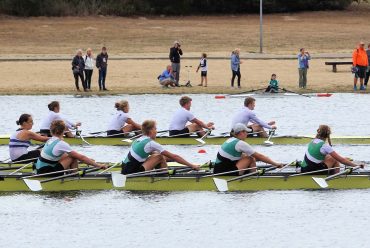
324, 94
220, 97
202, 151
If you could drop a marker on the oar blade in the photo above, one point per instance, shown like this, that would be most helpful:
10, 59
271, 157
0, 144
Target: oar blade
321, 182
127, 140
268, 143
118, 180
33, 185
200, 141
221, 184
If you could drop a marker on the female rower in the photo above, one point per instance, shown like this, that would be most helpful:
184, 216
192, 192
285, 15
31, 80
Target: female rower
235, 154
121, 123
321, 156
21, 140
57, 154
145, 154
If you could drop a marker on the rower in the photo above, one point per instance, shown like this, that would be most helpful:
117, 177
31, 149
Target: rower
182, 116
122, 122
321, 156
235, 154
145, 154
21, 140
54, 109
58, 155
247, 115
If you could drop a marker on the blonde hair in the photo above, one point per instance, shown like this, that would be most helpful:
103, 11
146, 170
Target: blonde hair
147, 126
57, 127
323, 133
121, 105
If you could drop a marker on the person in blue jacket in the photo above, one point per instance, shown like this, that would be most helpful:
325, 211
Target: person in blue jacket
235, 66
166, 78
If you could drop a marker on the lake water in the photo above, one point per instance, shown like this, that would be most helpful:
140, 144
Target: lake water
193, 219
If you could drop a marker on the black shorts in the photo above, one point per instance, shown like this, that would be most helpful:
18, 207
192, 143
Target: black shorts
115, 133
311, 166
178, 133
29, 157
203, 74
225, 165
361, 71
45, 132
132, 166
48, 169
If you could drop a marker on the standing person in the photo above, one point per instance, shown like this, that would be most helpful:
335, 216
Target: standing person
58, 155
102, 64
54, 109
78, 66
20, 141
321, 156
166, 78
182, 116
236, 154
203, 66
235, 66
122, 123
360, 61
273, 86
89, 67
368, 67
145, 154
303, 59
246, 115
175, 53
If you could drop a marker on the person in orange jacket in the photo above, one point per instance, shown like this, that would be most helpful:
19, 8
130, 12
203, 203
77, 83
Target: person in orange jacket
360, 63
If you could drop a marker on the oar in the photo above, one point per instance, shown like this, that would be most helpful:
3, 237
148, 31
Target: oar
94, 133
322, 182
130, 140
200, 140
268, 142
182, 134
222, 184
119, 180
21, 168
82, 138
283, 89
35, 185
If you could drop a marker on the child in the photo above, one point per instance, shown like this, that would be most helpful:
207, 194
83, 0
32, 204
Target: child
203, 70
274, 85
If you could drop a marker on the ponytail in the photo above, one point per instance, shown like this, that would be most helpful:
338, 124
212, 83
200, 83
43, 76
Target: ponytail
323, 133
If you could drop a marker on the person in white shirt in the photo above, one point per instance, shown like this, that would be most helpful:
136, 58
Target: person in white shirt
203, 66
54, 109
249, 118
89, 67
235, 154
179, 126
121, 123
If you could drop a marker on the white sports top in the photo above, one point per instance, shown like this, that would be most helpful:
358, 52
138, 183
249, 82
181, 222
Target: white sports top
52, 116
118, 121
180, 119
245, 116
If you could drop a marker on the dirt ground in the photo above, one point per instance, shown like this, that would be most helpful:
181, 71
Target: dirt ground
320, 32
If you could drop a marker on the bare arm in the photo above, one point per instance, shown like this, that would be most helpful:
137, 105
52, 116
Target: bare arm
202, 124
342, 160
179, 159
263, 158
38, 137
134, 124
85, 159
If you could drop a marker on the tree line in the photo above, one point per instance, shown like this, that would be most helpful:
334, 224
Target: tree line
161, 7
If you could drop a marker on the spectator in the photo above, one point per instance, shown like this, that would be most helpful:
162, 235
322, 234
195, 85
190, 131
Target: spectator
368, 67
303, 59
102, 64
89, 67
203, 66
273, 86
175, 53
78, 66
360, 61
235, 66
166, 78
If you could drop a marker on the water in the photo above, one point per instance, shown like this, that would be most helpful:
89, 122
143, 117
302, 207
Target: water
193, 219
347, 114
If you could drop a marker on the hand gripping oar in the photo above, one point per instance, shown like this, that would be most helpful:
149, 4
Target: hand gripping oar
283, 89
35, 185
322, 182
222, 184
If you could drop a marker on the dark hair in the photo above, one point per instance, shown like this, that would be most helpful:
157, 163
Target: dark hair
273, 75
104, 48
57, 127
301, 49
204, 55
184, 100
53, 105
22, 119
248, 101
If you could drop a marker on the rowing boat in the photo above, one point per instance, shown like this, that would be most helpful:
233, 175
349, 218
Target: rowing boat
212, 140
188, 182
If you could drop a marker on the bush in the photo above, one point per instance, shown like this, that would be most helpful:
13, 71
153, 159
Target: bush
158, 7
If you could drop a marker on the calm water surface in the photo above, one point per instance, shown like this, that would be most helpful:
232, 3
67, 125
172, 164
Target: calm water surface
193, 219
